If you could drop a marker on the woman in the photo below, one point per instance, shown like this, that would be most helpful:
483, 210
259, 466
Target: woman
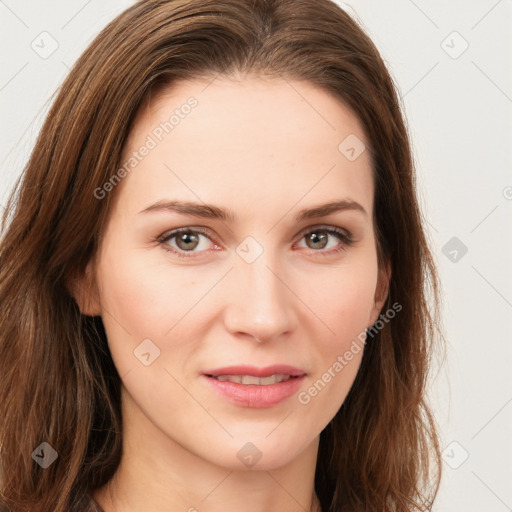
214, 275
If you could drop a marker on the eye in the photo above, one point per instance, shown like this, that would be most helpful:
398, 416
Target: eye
317, 239
184, 240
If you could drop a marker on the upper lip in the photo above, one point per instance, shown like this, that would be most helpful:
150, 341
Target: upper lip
266, 371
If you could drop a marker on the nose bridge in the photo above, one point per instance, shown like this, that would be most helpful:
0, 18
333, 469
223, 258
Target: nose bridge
261, 304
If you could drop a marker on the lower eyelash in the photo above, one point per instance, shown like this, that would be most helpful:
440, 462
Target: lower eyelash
343, 236
339, 234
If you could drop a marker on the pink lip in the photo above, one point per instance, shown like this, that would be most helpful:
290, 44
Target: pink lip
267, 371
253, 395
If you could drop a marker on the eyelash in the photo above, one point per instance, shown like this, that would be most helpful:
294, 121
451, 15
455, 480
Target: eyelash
341, 234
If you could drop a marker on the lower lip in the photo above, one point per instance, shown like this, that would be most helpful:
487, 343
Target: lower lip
257, 396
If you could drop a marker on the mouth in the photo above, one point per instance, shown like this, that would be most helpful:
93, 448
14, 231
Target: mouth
255, 387
252, 380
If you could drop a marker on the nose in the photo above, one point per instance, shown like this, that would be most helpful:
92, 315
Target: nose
260, 304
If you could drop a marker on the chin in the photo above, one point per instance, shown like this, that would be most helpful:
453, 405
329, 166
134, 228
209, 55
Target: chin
255, 453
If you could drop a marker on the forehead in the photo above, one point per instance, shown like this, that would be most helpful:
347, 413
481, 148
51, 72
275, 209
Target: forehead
253, 139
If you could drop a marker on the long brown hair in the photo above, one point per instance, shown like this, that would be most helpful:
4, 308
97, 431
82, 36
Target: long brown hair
58, 383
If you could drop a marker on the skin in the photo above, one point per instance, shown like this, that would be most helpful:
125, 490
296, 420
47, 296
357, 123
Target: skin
265, 149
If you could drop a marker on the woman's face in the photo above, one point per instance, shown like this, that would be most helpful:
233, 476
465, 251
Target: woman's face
254, 281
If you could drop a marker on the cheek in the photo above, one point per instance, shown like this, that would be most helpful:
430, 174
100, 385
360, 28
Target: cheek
343, 303
147, 298
343, 299
136, 305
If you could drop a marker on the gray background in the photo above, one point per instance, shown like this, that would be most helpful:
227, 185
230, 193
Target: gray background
458, 102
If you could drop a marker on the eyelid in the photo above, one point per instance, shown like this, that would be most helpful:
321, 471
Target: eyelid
207, 232
168, 235
326, 227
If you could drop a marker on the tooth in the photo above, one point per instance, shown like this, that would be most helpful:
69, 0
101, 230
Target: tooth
249, 379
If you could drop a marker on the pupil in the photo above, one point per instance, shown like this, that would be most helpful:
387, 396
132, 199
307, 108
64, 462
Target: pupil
318, 239
187, 239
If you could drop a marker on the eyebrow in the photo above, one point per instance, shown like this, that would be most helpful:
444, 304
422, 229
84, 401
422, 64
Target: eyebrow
210, 211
